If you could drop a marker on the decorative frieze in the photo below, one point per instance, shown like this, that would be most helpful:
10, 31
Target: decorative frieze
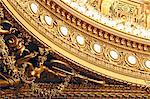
88, 32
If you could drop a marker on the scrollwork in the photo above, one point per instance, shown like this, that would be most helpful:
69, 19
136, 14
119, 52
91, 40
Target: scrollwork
22, 64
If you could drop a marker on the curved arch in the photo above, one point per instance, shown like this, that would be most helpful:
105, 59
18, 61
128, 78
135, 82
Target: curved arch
63, 52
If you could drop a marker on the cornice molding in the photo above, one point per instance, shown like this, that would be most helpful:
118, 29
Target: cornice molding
96, 29
71, 50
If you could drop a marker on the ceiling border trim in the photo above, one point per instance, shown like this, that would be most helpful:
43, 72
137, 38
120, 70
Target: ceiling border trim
40, 37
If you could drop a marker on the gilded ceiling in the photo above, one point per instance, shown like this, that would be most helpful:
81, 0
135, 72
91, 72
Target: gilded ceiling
108, 37
128, 16
75, 48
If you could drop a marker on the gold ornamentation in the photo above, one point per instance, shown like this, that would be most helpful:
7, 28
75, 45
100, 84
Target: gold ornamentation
123, 15
123, 45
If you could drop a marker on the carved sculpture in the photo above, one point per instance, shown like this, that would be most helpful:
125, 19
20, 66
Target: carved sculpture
24, 63
16, 66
